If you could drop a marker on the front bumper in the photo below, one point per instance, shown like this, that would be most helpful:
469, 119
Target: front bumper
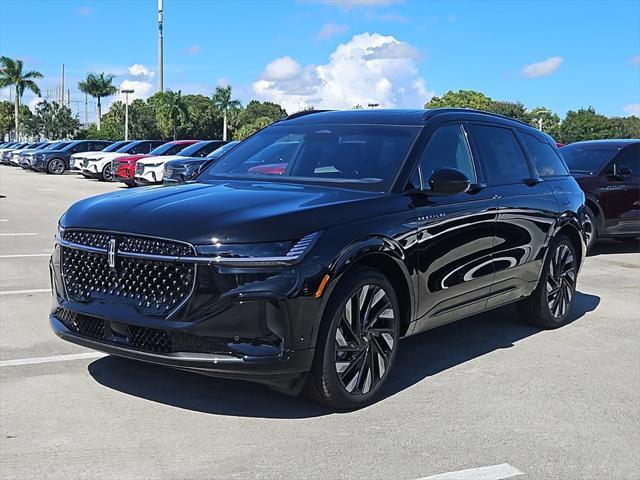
124, 173
150, 175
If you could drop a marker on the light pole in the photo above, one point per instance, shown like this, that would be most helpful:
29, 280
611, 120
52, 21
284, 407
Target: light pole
160, 48
373, 105
540, 118
126, 112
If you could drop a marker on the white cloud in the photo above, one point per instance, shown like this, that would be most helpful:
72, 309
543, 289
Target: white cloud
369, 68
194, 49
632, 109
142, 89
139, 70
635, 59
542, 69
331, 29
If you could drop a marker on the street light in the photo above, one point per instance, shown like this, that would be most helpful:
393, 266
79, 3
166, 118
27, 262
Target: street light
540, 118
126, 112
373, 105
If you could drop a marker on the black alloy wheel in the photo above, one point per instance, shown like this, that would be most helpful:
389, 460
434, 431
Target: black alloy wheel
590, 228
357, 341
56, 166
561, 281
107, 175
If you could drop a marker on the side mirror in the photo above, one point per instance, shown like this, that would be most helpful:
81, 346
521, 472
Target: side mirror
448, 181
621, 171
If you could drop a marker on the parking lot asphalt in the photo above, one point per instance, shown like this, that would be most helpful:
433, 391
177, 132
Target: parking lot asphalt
486, 391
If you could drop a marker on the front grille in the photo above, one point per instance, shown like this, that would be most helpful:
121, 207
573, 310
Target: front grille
85, 162
139, 168
141, 338
153, 287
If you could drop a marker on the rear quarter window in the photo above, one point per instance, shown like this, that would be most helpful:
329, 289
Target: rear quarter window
543, 156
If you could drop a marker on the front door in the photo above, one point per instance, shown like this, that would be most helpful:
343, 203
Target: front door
455, 235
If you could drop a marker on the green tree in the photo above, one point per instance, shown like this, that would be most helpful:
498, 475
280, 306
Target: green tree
585, 124
545, 118
98, 86
461, 99
223, 103
625, 127
55, 120
11, 74
6, 118
172, 113
249, 128
515, 110
255, 109
202, 121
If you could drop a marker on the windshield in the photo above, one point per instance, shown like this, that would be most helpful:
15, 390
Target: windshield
128, 147
588, 157
365, 155
168, 149
116, 146
218, 152
199, 149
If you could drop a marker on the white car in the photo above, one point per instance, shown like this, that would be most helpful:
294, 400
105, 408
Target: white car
149, 170
77, 159
99, 166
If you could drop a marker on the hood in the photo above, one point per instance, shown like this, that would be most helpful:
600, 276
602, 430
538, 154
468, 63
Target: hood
27, 150
229, 211
54, 152
110, 155
89, 155
131, 158
159, 158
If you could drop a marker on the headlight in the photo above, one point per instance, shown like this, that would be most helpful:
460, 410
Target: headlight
148, 165
258, 254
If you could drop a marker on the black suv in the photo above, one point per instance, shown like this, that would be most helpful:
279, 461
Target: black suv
303, 269
57, 161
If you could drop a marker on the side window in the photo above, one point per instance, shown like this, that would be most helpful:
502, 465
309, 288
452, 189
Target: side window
82, 147
447, 148
628, 157
501, 155
543, 156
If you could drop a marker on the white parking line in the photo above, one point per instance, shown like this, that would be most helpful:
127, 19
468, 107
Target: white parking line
494, 472
58, 358
17, 234
25, 255
24, 292
3, 220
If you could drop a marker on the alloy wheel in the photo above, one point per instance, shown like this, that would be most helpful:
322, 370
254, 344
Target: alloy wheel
589, 230
364, 340
106, 173
56, 167
561, 281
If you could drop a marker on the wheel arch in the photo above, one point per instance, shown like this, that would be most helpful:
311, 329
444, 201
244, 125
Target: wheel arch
570, 225
384, 255
594, 205
65, 163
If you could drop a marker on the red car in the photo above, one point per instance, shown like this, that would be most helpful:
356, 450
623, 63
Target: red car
124, 167
608, 171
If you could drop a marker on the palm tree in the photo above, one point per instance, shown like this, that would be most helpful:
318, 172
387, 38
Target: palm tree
98, 86
223, 103
11, 74
174, 107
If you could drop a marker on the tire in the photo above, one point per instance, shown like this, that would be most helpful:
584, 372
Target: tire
550, 303
590, 228
351, 364
56, 166
106, 175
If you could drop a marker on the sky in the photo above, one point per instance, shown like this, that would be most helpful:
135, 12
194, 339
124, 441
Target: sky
562, 55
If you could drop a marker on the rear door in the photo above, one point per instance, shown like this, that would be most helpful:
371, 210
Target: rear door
527, 209
620, 197
455, 234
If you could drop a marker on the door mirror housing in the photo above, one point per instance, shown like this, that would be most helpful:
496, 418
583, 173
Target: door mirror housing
448, 181
621, 171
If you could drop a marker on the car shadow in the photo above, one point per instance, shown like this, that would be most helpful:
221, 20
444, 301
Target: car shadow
606, 247
419, 357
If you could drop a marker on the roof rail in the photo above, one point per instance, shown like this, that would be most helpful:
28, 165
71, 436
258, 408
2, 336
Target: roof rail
303, 113
435, 111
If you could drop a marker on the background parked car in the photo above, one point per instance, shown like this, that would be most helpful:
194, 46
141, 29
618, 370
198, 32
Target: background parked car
57, 161
14, 158
608, 171
77, 159
184, 169
28, 159
100, 167
168, 150
6, 153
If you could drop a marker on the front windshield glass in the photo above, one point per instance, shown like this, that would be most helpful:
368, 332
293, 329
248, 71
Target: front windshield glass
588, 158
168, 149
369, 156
116, 146
199, 149
128, 147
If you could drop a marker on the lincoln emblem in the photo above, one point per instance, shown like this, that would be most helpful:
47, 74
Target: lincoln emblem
111, 253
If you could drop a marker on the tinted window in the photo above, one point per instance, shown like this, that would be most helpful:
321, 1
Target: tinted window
584, 157
543, 157
200, 149
369, 155
447, 148
116, 146
168, 149
628, 157
501, 155
218, 152
142, 147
